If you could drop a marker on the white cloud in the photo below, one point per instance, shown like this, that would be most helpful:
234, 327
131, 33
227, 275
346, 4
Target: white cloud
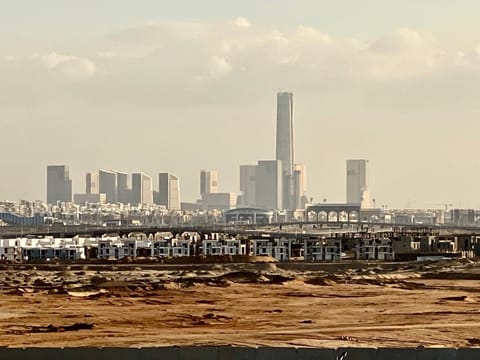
242, 22
70, 66
404, 40
407, 54
168, 59
312, 35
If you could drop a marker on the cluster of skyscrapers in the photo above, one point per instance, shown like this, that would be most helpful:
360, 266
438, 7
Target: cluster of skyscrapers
270, 184
107, 186
279, 183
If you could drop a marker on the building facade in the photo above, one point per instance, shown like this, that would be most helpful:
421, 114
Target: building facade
59, 184
285, 147
91, 184
83, 199
108, 185
208, 182
123, 188
219, 201
142, 189
357, 180
168, 191
300, 195
247, 185
268, 185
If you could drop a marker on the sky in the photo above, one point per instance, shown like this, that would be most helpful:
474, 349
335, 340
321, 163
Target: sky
186, 85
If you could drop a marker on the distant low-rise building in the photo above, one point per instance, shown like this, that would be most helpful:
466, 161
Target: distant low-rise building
374, 249
219, 201
279, 249
323, 249
248, 216
82, 199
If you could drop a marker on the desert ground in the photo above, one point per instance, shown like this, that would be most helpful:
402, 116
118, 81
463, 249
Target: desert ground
255, 304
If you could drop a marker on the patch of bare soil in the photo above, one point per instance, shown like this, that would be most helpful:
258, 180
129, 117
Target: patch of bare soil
244, 305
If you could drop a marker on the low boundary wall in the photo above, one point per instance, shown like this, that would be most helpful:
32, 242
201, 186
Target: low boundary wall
237, 353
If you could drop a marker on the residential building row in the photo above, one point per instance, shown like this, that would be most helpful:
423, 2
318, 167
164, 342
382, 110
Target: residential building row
369, 248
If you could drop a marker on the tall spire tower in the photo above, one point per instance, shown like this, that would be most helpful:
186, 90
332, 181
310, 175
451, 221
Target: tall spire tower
285, 151
285, 146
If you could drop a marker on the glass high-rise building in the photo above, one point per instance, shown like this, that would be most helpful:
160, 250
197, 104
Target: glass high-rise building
59, 184
142, 190
108, 185
268, 184
169, 191
285, 147
123, 188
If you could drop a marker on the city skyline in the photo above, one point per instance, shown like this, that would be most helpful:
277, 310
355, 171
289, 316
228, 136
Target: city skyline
394, 85
183, 179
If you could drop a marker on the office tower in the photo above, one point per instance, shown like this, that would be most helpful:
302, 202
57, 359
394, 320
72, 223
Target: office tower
168, 191
285, 131
208, 182
59, 185
268, 184
142, 189
123, 189
285, 146
357, 180
107, 181
91, 184
247, 185
300, 174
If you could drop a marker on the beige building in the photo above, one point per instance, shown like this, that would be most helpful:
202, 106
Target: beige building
247, 185
219, 201
168, 191
142, 189
357, 180
208, 182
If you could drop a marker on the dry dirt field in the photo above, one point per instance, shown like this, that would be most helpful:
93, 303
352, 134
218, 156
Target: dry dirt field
393, 305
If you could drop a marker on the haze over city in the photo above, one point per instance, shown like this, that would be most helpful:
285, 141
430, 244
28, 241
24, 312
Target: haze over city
114, 86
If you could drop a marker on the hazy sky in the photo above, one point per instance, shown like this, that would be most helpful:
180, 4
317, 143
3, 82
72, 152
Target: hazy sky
183, 85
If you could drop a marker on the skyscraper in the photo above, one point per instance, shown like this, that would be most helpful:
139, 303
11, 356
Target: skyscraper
208, 182
268, 184
285, 151
357, 180
285, 147
123, 189
107, 181
247, 185
142, 189
300, 172
59, 185
91, 184
169, 191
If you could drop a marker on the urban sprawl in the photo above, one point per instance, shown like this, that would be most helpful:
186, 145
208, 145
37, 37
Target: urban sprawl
273, 197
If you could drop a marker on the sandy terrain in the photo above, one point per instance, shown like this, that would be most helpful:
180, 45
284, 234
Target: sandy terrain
250, 304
